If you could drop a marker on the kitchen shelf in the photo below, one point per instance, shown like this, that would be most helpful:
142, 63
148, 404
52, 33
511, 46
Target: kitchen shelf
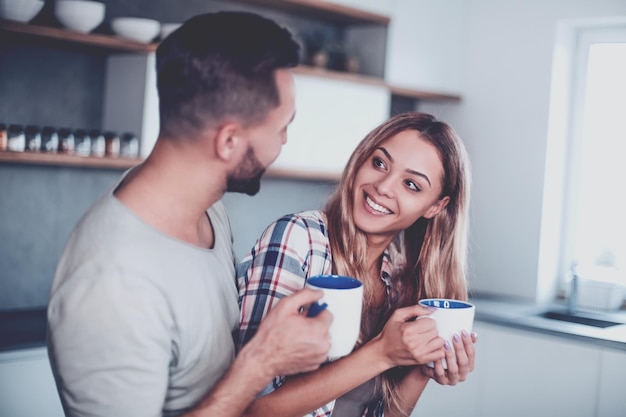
116, 44
58, 159
48, 33
328, 11
39, 158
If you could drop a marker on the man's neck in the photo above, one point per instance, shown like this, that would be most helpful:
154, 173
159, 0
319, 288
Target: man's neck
171, 192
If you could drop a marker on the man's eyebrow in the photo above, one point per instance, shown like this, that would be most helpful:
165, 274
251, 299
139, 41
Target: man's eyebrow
410, 171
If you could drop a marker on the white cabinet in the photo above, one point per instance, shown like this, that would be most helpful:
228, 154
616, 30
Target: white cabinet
523, 373
426, 44
27, 387
131, 101
332, 116
611, 398
527, 373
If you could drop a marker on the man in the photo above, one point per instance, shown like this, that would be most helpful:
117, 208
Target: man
144, 302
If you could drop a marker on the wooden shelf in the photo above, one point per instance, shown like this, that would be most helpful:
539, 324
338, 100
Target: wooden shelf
364, 79
324, 10
114, 43
58, 159
48, 33
39, 158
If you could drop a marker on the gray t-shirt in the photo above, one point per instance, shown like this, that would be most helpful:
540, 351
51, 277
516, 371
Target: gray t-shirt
140, 323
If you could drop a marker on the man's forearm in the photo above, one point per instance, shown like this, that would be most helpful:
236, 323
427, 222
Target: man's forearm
245, 379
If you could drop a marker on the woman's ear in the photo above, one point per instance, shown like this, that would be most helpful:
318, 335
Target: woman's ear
437, 207
227, 141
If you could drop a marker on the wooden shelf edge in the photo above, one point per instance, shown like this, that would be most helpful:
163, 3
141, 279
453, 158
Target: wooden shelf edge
422, 94
329, 11
37, 158
365, 79
295, 174
110, 42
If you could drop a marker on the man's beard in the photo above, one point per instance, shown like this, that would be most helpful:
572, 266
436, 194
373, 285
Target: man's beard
247, 178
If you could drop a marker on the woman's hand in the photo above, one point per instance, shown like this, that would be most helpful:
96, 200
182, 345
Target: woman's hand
408, 341
460, 359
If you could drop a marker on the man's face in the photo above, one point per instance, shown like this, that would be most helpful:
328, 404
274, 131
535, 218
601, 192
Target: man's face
266, 139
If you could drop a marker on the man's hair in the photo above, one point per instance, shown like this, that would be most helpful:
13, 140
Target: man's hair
220, 66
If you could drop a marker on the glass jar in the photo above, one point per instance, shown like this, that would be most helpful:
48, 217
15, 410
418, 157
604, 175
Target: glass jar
16, 141
66, 140
129, 145
49, 139
4, 141
112, 144
98, 145
32, 138
82, 142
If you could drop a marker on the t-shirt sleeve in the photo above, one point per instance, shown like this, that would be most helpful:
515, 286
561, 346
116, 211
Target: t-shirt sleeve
110, 344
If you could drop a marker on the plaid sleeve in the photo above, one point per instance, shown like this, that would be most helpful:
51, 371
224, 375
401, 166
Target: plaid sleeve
289, 250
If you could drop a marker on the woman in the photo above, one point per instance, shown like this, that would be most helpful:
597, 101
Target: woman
398, 223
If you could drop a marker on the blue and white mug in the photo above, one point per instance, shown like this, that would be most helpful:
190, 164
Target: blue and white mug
344, 297
451, 317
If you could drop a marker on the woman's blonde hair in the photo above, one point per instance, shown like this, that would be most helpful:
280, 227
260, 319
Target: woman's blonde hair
433, 251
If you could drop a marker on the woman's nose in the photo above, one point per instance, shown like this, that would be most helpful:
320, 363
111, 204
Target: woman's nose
384, 186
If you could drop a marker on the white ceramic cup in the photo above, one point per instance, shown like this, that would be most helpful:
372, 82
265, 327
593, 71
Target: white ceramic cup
451, 317
344, 296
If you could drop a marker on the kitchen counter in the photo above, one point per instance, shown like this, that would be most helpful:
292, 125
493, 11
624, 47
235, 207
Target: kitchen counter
27, 328
22, 329
527, 316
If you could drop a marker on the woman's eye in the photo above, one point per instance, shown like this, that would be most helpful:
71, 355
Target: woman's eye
412, 186
378, 163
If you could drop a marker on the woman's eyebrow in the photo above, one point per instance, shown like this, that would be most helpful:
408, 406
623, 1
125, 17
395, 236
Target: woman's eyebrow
410, 171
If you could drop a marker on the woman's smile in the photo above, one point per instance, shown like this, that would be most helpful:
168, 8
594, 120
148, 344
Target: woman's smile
374, 207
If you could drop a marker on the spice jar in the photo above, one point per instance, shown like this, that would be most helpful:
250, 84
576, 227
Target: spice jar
82, 142
66, 140
15, 138
111, 144
129, 145
32, 139
49, 139
98, 145
4, 141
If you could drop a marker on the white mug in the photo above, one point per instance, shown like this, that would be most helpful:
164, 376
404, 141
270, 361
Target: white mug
344, 297
451, 317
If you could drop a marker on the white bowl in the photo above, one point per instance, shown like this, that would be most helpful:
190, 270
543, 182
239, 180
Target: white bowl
20, 10
167, 28
137, 29
79, 15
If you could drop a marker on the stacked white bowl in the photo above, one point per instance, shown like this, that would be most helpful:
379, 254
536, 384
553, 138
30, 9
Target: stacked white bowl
79, 15
20, 10
137, 29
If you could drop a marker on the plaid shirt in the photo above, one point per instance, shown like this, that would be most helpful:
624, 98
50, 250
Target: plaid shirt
289, 251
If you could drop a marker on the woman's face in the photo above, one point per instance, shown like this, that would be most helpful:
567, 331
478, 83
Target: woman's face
399, 183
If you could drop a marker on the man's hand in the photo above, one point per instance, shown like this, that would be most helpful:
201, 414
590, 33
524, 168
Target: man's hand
287, 342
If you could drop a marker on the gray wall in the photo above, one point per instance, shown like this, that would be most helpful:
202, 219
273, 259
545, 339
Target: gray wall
41, 204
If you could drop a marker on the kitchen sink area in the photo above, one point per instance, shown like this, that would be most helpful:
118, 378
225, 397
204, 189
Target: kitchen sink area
586, 318
601, 328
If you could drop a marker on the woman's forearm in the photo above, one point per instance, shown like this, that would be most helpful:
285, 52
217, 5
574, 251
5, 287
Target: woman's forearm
304, 393
409, 390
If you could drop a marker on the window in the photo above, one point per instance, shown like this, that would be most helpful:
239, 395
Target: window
594, 232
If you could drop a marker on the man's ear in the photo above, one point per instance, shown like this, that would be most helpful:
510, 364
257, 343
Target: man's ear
437, 207
227, 141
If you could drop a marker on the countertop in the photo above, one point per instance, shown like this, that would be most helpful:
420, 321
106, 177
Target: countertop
526, 316
22, 329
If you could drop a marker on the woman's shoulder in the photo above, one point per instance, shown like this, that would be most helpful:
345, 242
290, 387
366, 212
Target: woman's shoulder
311, 222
